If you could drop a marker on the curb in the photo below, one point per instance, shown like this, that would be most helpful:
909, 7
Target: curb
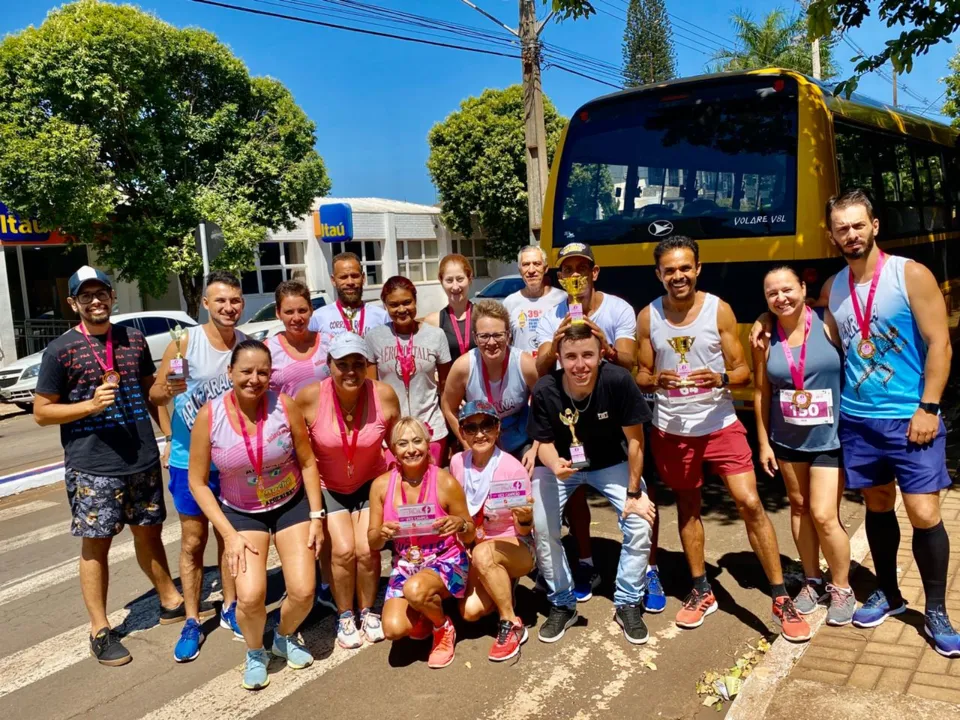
757, 692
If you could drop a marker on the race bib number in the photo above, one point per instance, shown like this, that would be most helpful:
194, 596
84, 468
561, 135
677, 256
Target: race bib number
508, 493
818, 412
417, 519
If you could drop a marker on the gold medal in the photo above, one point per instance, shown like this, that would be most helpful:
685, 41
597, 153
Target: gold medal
413, 555
866, 349
802, 399
110, 377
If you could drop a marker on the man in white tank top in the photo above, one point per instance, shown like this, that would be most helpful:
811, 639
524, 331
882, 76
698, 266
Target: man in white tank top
689, 355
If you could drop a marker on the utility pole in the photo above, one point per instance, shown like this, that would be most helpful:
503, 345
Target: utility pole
894, 87
815, 56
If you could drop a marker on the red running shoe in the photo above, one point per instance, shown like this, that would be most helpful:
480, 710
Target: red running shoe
696, 607
792, 625
444, 640
510, 637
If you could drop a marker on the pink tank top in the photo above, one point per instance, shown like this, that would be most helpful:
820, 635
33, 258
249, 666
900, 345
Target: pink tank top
239, 487
289, 374
418, 548
491, 523
368, 461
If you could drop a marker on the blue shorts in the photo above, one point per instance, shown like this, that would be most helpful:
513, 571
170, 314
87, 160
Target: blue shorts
182, 497
876, 452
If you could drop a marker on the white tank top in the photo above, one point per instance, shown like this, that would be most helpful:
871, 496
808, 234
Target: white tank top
703, 412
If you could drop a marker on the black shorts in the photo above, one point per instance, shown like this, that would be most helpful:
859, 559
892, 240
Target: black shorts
816, 458
102, 504
352, 502
293, 512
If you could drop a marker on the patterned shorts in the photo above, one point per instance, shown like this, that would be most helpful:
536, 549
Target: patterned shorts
102, 505
452, 567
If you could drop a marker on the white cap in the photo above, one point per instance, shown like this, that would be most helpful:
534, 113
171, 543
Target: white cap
349, 343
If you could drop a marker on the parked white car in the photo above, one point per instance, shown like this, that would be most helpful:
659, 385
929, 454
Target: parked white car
264, 323
18, 380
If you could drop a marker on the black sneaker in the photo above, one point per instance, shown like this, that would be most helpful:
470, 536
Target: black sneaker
179, 613
558, 621
108, 650
630, 618
586, 579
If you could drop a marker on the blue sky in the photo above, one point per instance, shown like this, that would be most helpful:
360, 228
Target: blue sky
374, 100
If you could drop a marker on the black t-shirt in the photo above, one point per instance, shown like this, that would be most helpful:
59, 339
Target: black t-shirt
616, 403
119, 440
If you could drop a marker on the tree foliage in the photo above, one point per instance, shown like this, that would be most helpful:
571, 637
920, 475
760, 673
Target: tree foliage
648, 55
477, 162
925, 23
572, 8
126, 132
777, 41
951, 107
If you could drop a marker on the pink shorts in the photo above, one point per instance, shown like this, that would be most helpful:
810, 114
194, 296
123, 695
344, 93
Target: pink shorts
437, 450
680, 459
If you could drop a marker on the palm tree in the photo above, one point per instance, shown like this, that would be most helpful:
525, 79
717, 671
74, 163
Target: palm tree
779, 41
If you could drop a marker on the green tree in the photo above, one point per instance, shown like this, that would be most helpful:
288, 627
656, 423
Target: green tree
925, 23
951, 107
126, 132
572, 8
777, 41
648, 55
477, 163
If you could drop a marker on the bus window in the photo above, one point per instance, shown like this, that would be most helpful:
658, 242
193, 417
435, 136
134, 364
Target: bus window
719, 161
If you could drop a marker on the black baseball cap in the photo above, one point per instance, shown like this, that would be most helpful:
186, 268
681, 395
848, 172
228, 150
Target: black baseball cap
575, 249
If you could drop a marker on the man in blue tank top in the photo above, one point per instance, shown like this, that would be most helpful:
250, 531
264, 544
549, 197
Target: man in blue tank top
893, 329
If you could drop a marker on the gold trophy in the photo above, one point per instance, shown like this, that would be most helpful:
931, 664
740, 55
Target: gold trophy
176, 371
575, 287
681, 346
578, 457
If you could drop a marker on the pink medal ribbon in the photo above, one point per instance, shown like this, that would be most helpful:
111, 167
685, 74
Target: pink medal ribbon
407, 362
865, 348
462, 340
110, 376
801, 398
256, 458
349, 448
348, 323
503, 380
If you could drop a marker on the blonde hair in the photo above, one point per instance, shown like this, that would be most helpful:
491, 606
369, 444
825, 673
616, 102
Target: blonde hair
490, 309
460, 260
406, 423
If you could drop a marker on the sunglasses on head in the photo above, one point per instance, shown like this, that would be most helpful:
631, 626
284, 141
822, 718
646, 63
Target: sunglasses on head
486, 426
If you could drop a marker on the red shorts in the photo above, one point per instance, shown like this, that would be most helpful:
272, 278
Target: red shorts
680, 459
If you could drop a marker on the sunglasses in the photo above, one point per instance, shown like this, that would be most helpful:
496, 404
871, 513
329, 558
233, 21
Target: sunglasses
484, 426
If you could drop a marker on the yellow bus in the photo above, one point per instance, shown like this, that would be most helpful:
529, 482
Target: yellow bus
744, 163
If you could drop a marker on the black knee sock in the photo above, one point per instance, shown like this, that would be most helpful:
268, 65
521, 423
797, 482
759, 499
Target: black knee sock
931, 550
883, 536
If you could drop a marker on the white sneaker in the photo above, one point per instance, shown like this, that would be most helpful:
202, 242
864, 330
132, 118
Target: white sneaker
370, 626
347, 635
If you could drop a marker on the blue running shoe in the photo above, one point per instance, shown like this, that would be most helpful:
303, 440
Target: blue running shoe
287, 647
946, 640
876, 609
188, 646
586, 579
255, 675
325, 598
655, 600
228, 620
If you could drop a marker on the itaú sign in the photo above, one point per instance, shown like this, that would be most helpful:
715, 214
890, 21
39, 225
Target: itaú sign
333, 223
18, 230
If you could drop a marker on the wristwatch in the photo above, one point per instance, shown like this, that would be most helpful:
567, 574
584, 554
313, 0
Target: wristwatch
724, 380
318, 514
634, 494
932, 408
168, 438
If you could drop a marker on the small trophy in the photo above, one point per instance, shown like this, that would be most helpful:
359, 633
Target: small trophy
578, 456
176, 363
681, 346
575, 286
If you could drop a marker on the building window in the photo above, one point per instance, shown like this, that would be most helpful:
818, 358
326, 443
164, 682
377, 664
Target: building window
370, 253
474, 250
418, 260
275, 262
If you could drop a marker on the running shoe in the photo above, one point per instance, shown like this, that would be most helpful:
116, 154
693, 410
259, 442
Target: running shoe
792, 625
946, 640
586, 579
510, 636
655, 600
348, 637
291, 650
877, 609
107, 648
422, 629
188, 646
370, 626
696, 606
172, 616
842, 606
630, 619
228, 620
558, 621
255, 675
444, 645
325, 598
809, 597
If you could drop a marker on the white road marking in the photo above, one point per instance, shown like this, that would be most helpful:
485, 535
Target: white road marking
18, 510
34, 536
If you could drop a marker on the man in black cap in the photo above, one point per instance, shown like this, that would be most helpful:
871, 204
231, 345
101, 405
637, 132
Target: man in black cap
94, 382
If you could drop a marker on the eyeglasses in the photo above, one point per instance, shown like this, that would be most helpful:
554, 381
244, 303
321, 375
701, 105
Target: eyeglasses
85, 298
484, 338
484, 426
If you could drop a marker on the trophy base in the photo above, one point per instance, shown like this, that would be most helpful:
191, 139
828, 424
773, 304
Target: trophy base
580, 465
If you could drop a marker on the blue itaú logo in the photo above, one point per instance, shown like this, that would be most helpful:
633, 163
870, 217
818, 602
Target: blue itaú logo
334, 223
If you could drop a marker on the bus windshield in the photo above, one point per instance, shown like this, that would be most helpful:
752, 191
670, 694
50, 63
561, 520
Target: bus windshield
716, 159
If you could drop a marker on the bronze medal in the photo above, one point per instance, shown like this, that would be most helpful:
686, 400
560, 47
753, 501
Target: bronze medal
110, 377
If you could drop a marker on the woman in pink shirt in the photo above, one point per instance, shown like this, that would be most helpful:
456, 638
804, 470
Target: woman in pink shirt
349, 416
269, 485
298, 354
497, 488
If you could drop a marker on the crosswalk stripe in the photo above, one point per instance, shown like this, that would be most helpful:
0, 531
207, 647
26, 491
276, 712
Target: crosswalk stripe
18, 510
34, 536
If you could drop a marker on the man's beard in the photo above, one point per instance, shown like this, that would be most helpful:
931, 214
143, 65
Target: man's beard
868, 244
353, 297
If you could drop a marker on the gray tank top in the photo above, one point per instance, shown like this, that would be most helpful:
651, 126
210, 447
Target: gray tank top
823, 371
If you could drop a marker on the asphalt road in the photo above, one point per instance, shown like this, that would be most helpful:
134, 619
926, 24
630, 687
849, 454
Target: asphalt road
46, 670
